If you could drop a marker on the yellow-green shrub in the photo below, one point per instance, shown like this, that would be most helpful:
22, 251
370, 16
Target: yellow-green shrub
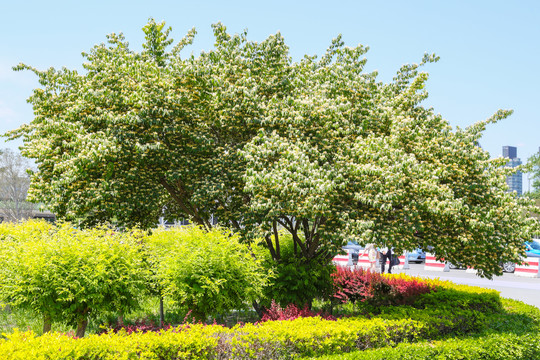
66, 274
208, 273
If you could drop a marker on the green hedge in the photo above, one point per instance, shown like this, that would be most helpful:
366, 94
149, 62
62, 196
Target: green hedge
493, 347
269, 340
510, 334
396, 333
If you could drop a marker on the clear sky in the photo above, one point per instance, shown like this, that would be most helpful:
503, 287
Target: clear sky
490, 50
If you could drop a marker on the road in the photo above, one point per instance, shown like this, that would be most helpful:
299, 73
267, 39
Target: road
510, 286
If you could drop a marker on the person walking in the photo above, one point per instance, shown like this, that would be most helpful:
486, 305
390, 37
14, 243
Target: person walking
373, 256
386, 254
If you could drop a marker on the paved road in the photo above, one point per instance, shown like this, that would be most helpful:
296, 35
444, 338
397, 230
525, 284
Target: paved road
509, 285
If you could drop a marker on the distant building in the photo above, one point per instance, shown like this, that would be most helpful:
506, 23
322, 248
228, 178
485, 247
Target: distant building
515, 182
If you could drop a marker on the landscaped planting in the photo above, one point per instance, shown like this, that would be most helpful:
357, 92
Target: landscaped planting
304, 336
510, 334
205, 272
308, 337
66, 276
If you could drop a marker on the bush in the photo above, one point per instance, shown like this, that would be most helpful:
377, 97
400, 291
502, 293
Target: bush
303, 336
295, 281
360, 285
291, 312
460, 296
491, 347
69, 275
209, 273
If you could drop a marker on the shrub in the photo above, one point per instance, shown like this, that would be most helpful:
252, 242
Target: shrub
304, 336
291, 312
460, 296
66, 274
489, 347
376, 289
295, 281
209, 273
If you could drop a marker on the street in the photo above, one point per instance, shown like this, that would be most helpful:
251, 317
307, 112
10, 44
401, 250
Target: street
510, 286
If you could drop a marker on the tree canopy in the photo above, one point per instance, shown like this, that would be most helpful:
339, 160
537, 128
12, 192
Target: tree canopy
316, 147
533, 167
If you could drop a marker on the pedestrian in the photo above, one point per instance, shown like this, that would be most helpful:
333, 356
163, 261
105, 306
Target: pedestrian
373, 256
386, 254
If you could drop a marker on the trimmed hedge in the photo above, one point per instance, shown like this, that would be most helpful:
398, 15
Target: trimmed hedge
510, 334
494, 347
310, 336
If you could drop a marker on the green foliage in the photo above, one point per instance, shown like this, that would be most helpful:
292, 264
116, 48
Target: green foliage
494, 347
483, 302
533, 165
295, 280
66, 274
209, 273
317, 147
269, 340
401, 332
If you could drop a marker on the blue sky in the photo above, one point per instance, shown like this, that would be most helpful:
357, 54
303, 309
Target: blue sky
490, 50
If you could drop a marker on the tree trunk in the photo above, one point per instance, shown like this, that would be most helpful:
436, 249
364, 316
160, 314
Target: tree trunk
161, 312
258, 309
47, 323
82, 322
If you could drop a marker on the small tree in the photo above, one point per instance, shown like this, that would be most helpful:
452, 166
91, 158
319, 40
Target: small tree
66, 274
209, 273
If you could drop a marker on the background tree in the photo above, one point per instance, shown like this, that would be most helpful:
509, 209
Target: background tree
533, 167
316, 147
14, 184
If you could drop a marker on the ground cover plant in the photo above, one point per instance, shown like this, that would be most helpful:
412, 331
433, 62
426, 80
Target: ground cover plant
395, 329
61, 277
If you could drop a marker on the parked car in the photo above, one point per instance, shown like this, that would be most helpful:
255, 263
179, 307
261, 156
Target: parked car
417, 256
457, 266
532, 249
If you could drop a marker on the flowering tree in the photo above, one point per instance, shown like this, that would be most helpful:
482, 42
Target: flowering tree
318, 148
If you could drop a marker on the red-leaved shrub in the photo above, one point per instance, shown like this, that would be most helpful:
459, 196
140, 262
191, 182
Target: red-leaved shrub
141, 325
407, 290
291, 312
375, 289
